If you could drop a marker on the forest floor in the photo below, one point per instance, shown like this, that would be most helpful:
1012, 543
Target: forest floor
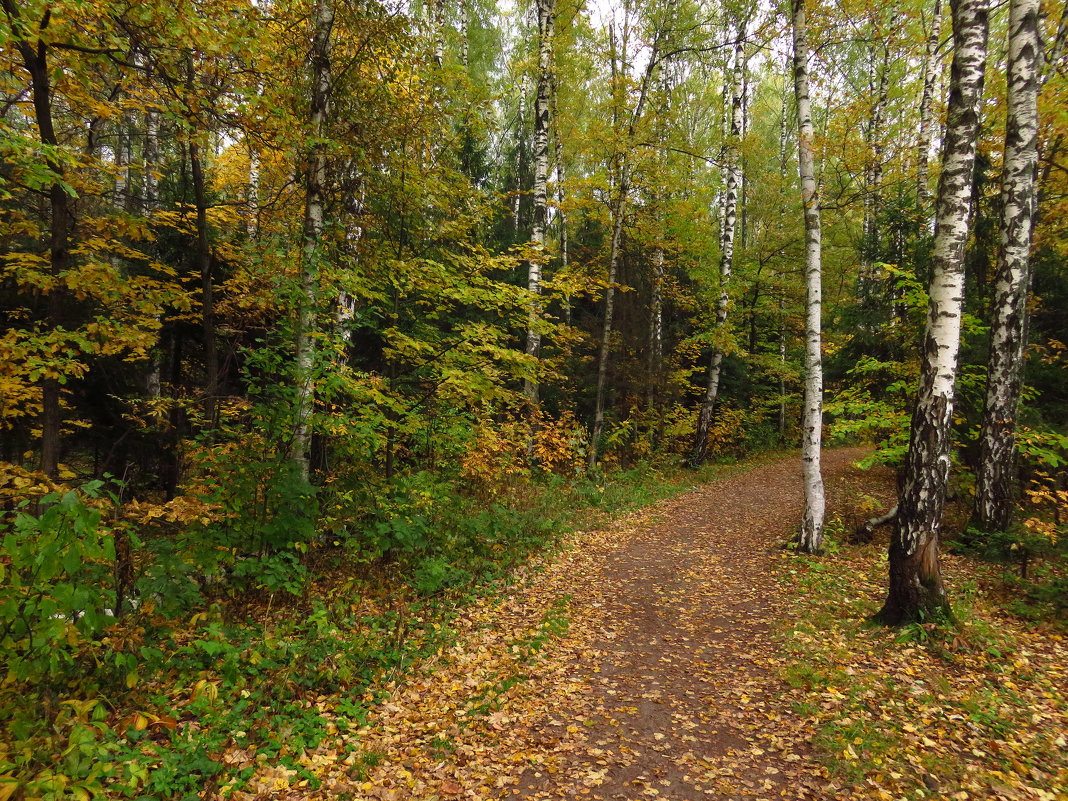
657, 659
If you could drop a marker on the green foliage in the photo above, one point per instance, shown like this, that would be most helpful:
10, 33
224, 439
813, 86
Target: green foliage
54, 585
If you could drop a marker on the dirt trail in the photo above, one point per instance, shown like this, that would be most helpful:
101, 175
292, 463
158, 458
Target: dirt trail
664, 685
680, 699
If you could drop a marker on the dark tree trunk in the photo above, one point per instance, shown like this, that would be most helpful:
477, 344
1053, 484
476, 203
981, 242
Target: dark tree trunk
35, 61
207, 289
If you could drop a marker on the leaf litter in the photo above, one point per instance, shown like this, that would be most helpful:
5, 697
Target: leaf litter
656, 659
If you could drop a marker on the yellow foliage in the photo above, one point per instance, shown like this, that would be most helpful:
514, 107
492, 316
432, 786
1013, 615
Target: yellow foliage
503, 453
1050, 503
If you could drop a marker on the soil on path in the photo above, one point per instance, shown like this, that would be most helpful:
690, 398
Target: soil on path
639, 663
681, 688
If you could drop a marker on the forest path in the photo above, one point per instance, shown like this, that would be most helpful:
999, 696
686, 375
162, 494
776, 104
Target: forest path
682, 700
640, 662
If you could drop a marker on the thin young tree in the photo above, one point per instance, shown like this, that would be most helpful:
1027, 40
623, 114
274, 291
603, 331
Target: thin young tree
619, 205
932, 63
996, 475
916, 590
810, 537
314, 212
546, 17
732, 169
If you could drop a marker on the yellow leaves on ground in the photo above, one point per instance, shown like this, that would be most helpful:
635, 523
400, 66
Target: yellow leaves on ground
971, 712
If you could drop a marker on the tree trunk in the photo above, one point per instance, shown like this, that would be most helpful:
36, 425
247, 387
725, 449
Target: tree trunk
207, 289
931, 74
656, 329
916, 590
35, 61
729, 226
996, 476
609, 309
810, 537
149, 159
619, 208
546, 12
561, 189
314, 212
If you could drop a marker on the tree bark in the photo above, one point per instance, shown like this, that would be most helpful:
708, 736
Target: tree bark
931, 73
810, 537
207, 288
314, 213
656, 328
996, 476
729, 219
609, 310
916, 591
619, 208
35, 61
149, 164
535, 265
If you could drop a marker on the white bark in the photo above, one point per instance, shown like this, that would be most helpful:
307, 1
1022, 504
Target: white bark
811, 534
253, 191
546, 12
996, 473
915, 576
322, 25
729, 217
932, 71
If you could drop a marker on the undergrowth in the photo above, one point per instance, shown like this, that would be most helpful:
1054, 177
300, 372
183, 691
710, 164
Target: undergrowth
268, 660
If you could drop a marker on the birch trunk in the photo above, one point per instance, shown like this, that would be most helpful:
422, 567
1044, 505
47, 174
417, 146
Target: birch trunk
916, 591
546, 12
810, 537
322, 21
931, 74
729, 226
995, 478
253, 191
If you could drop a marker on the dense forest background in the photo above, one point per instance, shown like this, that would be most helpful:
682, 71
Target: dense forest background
299, 294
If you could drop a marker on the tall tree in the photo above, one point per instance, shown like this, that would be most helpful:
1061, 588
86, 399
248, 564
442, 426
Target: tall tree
931, 72
620, 62
996, 473
33, 45
314, 213
810, 537
735, 108
535, 264
916, 590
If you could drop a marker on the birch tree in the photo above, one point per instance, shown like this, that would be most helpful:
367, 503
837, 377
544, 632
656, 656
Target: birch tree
810, 537
728, 217
931, 74
729, 221
315, 181
916, 590
997, 443
546, 13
